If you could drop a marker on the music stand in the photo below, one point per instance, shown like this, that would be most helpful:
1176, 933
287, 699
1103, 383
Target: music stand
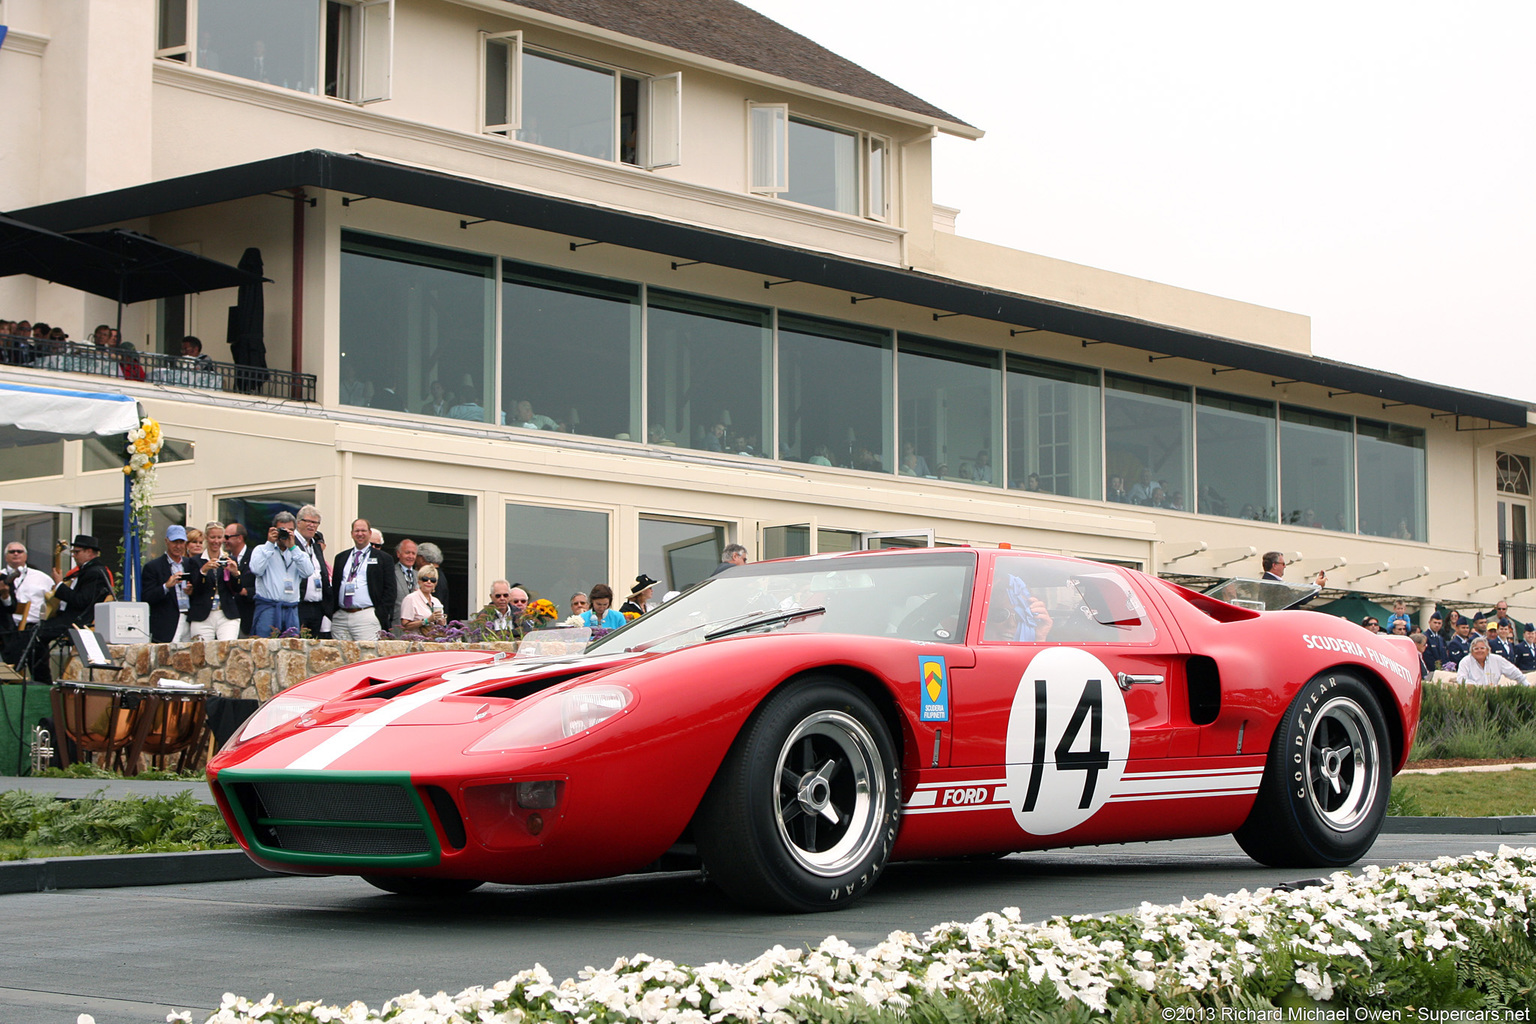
91, 648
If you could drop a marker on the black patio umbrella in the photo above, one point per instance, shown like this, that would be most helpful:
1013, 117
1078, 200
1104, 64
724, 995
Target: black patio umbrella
28, 249
247, 335
153, 270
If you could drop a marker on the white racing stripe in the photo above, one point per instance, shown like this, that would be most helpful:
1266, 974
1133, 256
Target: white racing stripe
1133, 787
352, 735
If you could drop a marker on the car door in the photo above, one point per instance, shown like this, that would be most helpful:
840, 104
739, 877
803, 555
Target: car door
1071, 687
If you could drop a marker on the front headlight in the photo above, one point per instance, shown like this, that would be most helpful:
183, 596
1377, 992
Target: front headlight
557, 717
278, 711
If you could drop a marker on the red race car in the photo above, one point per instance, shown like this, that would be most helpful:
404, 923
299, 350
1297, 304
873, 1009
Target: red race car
793, 726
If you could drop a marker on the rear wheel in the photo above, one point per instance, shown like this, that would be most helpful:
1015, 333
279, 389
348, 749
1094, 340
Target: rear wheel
804, 811
407, 885
1323, 798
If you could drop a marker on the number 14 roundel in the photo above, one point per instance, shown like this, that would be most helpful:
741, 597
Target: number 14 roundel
1068, 738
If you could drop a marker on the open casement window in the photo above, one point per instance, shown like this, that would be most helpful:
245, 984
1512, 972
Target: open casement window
768, 147
501, 59
374, 50
877, 155
173, 31
664, 121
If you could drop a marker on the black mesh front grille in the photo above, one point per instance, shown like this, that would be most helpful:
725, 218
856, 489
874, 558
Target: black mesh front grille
340, 840
336, 801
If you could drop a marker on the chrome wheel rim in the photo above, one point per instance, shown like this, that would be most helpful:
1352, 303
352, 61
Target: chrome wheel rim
1340, 764
830, 786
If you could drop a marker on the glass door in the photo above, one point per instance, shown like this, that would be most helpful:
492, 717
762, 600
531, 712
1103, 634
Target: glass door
46, 530
1514, 539
786, 540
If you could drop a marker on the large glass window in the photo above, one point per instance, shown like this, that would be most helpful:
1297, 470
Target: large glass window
1392, 486
949, 397
1238, 465
1317, 470
442, 518
555, 552
570, 352
823, 166
1146, 442
343, 48
1054, 428
568, 106
709, 374
677, 552
256, 511
23, 462
834, 394
414, 316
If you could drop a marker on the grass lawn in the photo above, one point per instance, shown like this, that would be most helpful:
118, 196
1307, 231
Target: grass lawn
1466, 794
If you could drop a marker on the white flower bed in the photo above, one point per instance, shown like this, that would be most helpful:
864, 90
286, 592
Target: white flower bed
1196, 949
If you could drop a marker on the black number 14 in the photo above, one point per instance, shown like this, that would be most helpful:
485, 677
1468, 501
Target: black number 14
1090, 707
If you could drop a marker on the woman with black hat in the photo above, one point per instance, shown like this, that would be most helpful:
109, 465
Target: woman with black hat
639, 595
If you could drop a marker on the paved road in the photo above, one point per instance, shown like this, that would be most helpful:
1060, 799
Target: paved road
127, 956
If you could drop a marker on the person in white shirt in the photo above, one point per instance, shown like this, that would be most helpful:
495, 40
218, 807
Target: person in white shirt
362, 589
28, 585
214, 613
1481, 667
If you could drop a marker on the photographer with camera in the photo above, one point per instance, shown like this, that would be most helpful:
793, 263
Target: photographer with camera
213, 613
280, 570
165, 584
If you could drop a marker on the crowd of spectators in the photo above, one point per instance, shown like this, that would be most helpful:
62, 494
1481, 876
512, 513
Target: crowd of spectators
106, 352
214, 583
1481, 650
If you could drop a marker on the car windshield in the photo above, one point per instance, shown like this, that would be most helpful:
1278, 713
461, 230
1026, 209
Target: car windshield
1262, 595
912, 597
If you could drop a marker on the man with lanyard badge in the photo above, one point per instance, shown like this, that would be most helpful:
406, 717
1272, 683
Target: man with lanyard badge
362, 588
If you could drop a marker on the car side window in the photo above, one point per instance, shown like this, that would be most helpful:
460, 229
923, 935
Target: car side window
1045, 600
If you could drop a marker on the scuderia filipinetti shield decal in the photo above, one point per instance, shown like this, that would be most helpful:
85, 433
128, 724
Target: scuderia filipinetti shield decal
1068, 739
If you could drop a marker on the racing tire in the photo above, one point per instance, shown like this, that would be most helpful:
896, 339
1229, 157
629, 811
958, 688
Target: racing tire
1323, 797
415, 885
805, 809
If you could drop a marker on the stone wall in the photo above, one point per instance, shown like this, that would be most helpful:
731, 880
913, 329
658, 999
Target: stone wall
252, 669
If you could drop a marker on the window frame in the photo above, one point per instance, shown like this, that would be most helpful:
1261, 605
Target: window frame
513, 99
776, 131
367, 80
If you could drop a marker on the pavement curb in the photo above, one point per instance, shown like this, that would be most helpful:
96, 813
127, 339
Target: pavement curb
1512, 825
128, 869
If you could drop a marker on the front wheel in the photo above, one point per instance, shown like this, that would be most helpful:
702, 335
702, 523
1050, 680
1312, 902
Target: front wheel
1323, 798
804, 811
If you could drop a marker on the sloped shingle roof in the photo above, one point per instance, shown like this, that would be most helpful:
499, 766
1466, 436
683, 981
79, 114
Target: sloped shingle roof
731, 32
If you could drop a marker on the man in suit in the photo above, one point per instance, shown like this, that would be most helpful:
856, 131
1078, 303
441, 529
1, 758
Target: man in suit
361, 595
1274, 568
308, 539
405, 575
240, 553
166, 584
78, 592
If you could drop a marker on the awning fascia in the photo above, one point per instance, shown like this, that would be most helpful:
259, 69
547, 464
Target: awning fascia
413, 186
35, 415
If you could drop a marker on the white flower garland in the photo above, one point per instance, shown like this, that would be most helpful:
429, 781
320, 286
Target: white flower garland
144, 444
1199, 945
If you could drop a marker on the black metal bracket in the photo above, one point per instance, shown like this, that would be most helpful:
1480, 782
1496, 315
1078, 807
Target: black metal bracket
1393, 405
1086, 342
471, 223
583, 245
1336, 394
1153, 359
689, 263
349, 200
292, 197
1223, 369
774, 284
1277, 383
942, 316
1474, 430
1444, 415
856, 299
1014, 332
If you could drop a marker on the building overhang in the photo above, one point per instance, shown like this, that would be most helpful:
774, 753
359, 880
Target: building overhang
465, 197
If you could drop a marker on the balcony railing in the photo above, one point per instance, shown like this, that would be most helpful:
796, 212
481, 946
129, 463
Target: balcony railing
156, 368
1517, 561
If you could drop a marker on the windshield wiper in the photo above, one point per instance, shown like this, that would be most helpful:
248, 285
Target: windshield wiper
765, 619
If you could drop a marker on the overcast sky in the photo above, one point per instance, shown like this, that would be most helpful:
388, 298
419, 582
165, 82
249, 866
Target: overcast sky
1365, 163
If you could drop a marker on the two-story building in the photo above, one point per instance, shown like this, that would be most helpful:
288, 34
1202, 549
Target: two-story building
583, 288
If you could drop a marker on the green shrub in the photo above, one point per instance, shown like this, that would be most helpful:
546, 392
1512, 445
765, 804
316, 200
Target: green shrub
133, 825
1476, 721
